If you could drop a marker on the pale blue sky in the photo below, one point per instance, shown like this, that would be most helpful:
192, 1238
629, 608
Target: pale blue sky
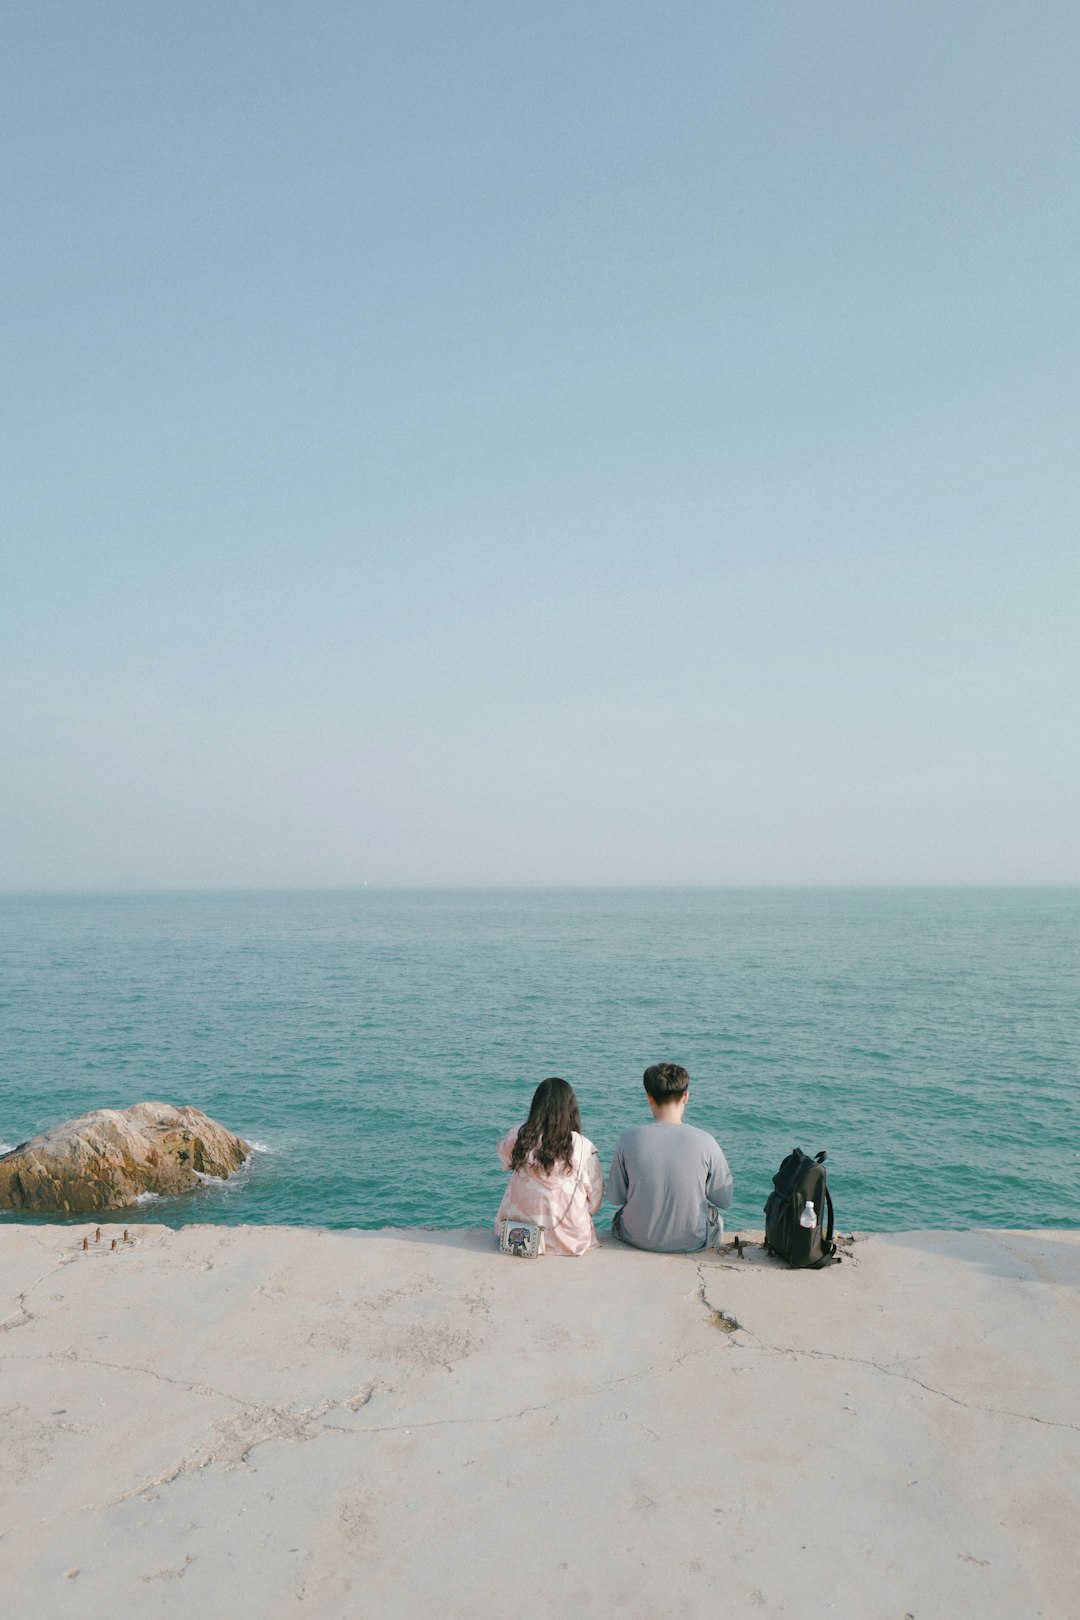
539, 442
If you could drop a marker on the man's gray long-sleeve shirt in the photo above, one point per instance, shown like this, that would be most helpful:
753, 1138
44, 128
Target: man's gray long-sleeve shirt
663, 1174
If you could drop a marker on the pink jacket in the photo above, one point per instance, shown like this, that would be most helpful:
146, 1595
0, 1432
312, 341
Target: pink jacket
563, 1203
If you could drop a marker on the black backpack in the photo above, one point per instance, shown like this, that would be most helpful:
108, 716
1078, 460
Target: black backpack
799, 1181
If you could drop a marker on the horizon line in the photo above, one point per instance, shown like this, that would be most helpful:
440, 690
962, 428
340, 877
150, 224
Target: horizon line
524, 888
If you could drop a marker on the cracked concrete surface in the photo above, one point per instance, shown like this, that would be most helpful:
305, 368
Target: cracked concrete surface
296, 1422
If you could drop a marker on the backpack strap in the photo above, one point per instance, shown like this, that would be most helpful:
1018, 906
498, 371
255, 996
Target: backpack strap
573, 1191
830, 1256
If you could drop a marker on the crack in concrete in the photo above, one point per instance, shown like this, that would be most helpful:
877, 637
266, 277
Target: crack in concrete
651, 1371
171, 1574
147, 1372
19, 1318
232, 1441
887, 1371
232, 1445
720, 1318
23, 1314
909, 1378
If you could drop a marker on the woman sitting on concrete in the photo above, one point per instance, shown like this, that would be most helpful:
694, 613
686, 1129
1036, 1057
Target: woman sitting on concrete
555, 1177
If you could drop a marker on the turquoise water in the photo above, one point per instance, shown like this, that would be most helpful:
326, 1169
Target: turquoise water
376, 1044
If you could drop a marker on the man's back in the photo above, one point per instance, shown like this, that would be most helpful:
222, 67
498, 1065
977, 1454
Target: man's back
662, 1174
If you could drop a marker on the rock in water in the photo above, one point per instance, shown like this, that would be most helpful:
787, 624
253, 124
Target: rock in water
104, 1160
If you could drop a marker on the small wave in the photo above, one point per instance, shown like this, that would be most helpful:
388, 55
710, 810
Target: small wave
212, 1181
147, 1197
6, 1147
260, 1147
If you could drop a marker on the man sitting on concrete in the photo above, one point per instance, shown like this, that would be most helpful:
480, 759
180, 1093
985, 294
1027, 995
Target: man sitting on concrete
670, 1178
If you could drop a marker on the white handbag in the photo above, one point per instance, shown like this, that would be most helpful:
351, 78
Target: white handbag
521, 1238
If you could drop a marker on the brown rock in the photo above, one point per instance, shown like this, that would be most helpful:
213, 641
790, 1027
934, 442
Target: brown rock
104, 1160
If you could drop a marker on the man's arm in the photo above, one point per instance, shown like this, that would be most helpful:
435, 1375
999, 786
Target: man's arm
594, 1182
617, 1187
719, 1187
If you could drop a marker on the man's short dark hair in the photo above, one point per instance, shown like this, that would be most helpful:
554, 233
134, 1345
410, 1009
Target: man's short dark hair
666, 1082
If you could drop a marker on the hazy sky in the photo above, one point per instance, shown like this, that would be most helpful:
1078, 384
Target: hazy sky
539, 441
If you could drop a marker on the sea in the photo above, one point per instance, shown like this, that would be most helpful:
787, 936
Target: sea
373, 1045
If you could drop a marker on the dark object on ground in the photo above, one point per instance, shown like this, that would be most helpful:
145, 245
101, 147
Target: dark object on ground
796, 1227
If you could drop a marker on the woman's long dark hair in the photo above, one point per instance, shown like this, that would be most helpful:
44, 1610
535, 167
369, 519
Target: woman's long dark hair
547, 1133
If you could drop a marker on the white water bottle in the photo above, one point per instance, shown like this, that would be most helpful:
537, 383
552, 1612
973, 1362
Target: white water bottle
808, 1216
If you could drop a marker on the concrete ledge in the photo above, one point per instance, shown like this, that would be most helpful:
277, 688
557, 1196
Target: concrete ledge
285, 1422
